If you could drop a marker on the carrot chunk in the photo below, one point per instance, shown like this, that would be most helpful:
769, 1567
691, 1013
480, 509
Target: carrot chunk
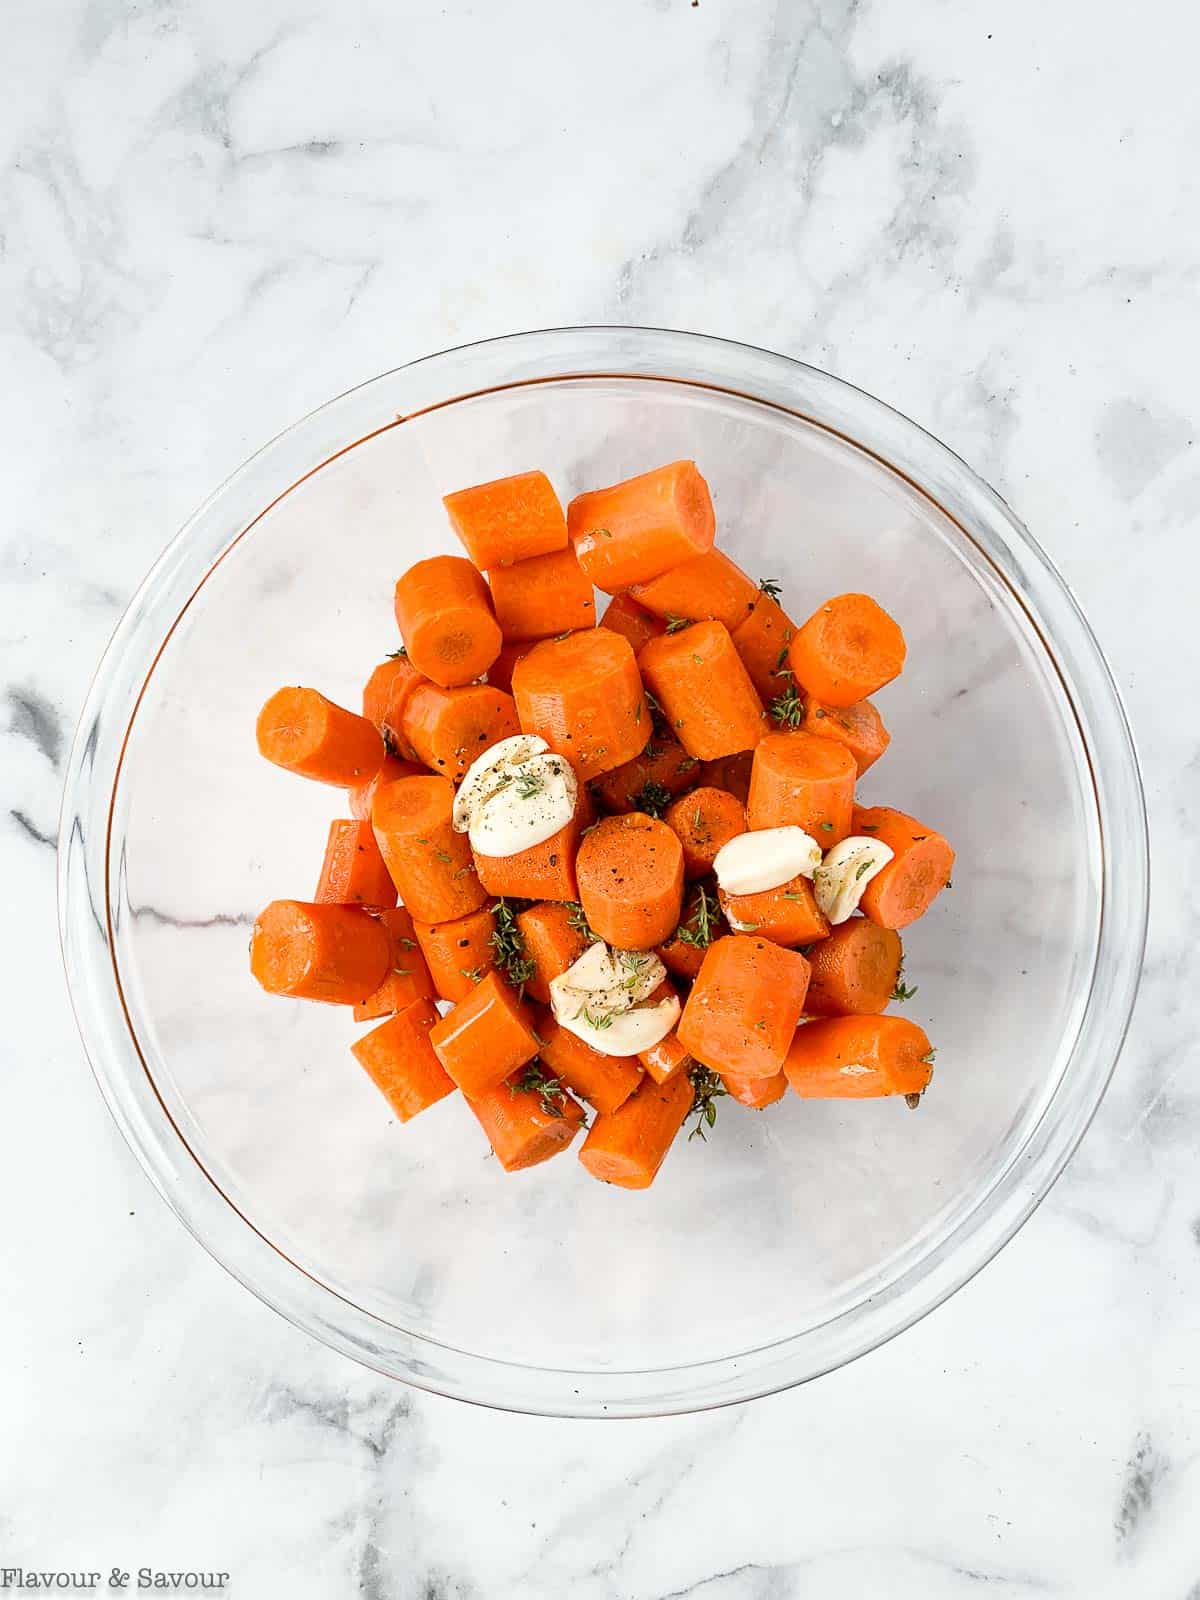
301, 731
744, 1006
623, 615
524, 1127
859, 727
552, 941
386, 693
854, 971
630, 872
444, 613
429, 862
704, 821
583, 695
919, 870
628, 1146
501, 670
637, 529
803, 781
543, 871
707, 698
700, 924
408, 977
710, 586
353, 872
401, 1063
664, 1059
847, 650
856, 1058
761, 640
756, 1093
459, 953
510, 519
648, 782
603, 1081
731, 773
486, 1037
318, 952
543, 596
788, 915
362, 796
448, 728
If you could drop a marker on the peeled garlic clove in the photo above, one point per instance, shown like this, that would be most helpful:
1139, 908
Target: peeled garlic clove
839, 881
627, 1033
766, 858
484, 775
531, 802
606, 980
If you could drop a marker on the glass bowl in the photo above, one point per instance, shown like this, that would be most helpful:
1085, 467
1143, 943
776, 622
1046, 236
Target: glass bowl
791, 1241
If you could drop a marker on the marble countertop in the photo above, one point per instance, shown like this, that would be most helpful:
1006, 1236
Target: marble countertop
214, 215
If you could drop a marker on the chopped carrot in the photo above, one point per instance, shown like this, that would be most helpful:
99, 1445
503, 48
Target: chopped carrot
854, 971
318, 952
301, 731
846, 650
429, 862
353, 873
855, 1058
646, 783
401, 1062
744, 1006
731, 773
637, 529
700, 923
788, 915
552, 940
444, 613
583, 695
543, 871
630, 872
362, 797
510, 519
757, 1093
448, 728
386, 693
919, 870
628, 1146
408, 977
708, 586
707, 698
501, 670
623, 615
603, 1081
525, 1127
802, 781
859, 727
459, 952
704, 821
541, 597
761, 640
664, 1059
486, 1037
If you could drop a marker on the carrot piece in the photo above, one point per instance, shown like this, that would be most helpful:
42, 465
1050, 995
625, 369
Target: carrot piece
386, 693
630, 872
709, 586
301, 731
459, 952
919, 870
856, 1058
543, 871
637, 529
318, 952
500, 672
707, 698
646, 783
353, 873
543, 596
744, 1006
583, 695
444, 613
846, 650
523, 1127
854, 971
486, 1037
627, 1146
700, 923
761, 640
788, 915
802, 780
507, 520
401, 1063
448, 728
362, 797
429, 862
623, 615
553, 942
408, 977
703, 821
664, 1059
731, 773
755, 1092
603, 1081
859, 727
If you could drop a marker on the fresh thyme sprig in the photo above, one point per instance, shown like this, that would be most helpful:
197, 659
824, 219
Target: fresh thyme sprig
700, 927
652, 798
708, 1090
788, 707
508, 945
771, 587
677, 624
535, 1079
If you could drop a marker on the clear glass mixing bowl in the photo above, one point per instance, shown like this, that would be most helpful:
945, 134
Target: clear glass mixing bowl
792, 1241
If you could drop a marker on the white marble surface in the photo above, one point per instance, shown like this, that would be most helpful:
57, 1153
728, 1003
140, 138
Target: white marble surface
213, 215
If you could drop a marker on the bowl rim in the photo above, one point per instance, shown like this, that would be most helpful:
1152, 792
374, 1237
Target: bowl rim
539, 357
